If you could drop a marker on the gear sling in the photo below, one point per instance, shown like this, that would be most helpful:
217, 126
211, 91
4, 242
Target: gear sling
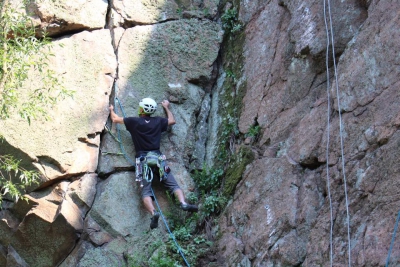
148, 160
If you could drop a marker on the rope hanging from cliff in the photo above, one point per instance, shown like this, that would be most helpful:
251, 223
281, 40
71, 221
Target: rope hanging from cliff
340, 130
328, 141
116, 100
394, 235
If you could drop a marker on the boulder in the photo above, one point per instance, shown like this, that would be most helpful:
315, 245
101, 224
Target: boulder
119, 197
76, 255
43, 230
63, 17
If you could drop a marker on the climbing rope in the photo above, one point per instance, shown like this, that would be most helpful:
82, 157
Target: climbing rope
169, 231
116, 100
328, 141
391, 244
340, 130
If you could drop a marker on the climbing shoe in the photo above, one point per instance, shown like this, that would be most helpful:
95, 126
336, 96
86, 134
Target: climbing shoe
154, 220
189, 207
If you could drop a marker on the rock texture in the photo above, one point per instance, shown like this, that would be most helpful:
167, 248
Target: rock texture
173, 60
280, 214
287, 179
60, 17
43, 230
67, 144
150, 12
72, 218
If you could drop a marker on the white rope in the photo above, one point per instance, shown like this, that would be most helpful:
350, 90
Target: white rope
341, 133
328, 140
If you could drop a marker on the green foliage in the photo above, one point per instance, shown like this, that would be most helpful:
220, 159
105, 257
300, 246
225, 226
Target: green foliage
254, 131
14, 179
162, 261
230, 74
213, 204
20, 53
230, 21
228, 133
192, 197
208, 180
182, 234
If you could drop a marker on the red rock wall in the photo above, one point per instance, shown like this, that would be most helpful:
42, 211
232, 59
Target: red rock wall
280, 214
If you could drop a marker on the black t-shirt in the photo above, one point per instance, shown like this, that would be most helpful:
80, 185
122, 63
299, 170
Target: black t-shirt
146, 131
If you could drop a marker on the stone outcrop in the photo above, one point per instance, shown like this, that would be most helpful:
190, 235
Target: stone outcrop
68, 143
70, 219
280, 214
272, 76
43, 230
61, 17
173, 60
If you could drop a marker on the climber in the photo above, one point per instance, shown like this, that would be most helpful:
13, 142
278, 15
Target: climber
146, 135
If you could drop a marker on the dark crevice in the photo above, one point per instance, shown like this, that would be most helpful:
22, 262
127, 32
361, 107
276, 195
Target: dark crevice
311, 163
72, 32
68, 177
130, 24
105, 176
108, 15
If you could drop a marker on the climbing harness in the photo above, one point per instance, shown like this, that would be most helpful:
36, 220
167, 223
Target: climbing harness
165, 168
341, 134
145, 164
394, 235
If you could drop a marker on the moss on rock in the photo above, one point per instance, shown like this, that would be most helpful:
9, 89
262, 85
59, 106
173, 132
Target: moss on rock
231, 94
235, 171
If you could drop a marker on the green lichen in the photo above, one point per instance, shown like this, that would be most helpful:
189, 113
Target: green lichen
235, 171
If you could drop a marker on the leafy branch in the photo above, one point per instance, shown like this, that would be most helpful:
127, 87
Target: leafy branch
14, 179
28, 86
21, 54
230, 22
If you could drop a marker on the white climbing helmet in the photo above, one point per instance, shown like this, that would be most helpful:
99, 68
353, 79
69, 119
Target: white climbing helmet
149, 105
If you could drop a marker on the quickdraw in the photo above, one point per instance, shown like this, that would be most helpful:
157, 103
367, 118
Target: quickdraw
145, 163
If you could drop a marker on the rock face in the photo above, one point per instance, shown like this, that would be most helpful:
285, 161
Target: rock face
280, 213
150, 12
68, 16
271, 99
41, 231
173, 60
71, 216
68, 144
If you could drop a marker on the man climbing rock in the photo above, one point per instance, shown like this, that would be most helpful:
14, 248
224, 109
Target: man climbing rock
146, 135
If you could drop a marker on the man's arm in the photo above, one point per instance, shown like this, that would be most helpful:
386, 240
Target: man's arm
114, 117
170, 116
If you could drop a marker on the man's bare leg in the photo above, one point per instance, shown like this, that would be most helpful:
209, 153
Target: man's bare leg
179, 194
148, 204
